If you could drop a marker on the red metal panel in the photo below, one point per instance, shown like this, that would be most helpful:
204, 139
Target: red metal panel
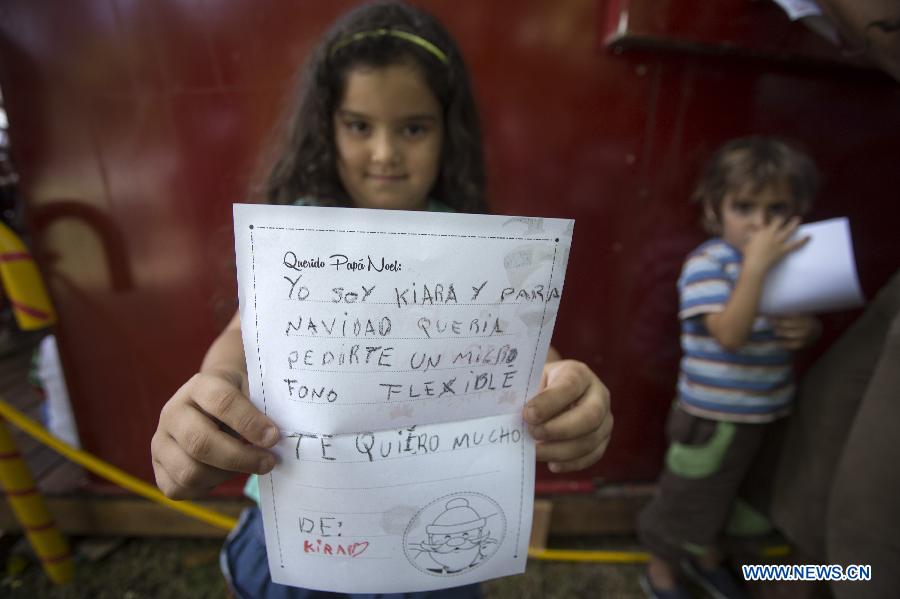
136, 124
747, 27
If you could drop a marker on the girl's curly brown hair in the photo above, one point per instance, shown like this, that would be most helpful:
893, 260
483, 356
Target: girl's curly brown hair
306, 163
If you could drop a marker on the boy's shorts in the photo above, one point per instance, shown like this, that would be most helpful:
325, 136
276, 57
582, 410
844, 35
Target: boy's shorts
246, 568
705, 464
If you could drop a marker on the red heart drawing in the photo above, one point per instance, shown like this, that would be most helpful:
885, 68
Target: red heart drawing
357, 548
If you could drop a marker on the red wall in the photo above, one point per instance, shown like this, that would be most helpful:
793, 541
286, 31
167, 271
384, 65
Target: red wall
136, 124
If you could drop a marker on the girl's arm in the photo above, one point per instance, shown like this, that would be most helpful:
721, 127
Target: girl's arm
227, 351
200, 439
552, 355
570, 417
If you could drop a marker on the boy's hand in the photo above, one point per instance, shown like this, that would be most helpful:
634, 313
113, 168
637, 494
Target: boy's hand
570, 417
771, 243
199, 442
796, 332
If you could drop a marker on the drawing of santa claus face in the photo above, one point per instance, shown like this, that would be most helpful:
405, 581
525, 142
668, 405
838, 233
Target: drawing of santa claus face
458, 536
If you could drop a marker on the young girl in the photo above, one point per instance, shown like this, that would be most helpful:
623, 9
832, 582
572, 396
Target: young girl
385, 119
736, 375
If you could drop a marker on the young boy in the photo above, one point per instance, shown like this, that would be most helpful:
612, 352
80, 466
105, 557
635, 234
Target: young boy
736, 375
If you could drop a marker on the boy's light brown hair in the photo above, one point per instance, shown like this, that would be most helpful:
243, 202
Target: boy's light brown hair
754, 162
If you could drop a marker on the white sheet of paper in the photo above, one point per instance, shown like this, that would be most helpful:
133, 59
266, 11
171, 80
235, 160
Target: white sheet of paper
396, 350
819, 277
798, 9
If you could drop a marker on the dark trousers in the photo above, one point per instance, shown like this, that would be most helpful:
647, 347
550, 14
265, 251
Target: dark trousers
706, 463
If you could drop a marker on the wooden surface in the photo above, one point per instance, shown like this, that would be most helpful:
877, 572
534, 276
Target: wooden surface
97, 515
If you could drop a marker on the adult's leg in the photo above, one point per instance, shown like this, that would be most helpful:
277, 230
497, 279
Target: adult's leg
863, 523
830, 395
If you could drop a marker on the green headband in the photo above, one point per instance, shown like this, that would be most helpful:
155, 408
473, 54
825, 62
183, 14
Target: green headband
403, 35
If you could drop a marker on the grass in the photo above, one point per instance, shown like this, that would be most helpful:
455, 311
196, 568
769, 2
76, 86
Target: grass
135, 569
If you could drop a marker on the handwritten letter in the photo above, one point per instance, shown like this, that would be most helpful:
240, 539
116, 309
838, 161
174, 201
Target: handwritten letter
396, 350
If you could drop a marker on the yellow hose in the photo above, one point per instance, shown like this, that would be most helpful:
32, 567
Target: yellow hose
23, 284
620, 557
31, 511
583, 555
110, 472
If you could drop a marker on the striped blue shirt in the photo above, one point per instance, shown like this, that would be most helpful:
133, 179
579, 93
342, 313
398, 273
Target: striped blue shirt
752, 384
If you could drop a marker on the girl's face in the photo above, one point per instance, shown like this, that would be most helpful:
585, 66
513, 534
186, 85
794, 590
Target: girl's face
389, 130
744, 212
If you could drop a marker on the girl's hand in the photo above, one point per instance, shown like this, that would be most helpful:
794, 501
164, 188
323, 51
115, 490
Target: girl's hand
771, 243
199, 442
570, 417
796, 332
